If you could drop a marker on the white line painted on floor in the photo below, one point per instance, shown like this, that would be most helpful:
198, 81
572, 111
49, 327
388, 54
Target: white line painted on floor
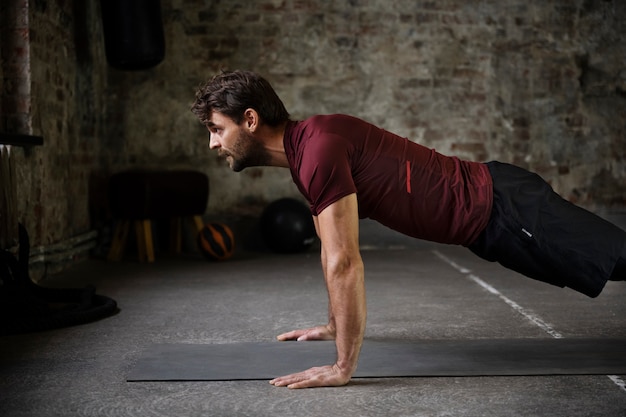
530, 316
618, 381
515, 306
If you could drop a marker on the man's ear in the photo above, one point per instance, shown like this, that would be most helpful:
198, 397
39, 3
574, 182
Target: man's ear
251, 119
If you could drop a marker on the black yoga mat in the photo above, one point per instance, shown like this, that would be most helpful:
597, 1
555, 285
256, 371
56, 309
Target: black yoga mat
481, 357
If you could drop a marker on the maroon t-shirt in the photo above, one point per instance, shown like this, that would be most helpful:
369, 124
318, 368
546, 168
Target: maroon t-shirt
399, 183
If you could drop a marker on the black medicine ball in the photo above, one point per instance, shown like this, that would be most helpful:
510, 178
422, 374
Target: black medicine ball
287, 226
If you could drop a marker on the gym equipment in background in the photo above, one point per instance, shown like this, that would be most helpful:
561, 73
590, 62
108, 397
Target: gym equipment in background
28, 307
216, 241
287, 226
139, 196
133, 33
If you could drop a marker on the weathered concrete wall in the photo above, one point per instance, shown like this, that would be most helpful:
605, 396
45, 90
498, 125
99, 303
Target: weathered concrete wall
540, 84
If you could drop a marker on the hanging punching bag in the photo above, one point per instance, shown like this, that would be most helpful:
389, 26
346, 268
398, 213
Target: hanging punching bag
133, 33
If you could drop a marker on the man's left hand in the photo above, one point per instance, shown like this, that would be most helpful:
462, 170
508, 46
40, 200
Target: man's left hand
323, 376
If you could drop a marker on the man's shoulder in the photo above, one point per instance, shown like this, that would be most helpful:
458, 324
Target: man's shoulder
328, 135
331, 119
335, 125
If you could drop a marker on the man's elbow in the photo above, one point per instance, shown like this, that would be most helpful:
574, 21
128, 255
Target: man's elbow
344, 264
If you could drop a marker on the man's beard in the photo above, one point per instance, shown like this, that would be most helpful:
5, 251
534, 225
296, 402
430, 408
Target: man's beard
248, 152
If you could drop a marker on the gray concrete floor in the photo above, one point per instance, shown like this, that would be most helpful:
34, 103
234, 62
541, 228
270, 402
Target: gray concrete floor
415, 291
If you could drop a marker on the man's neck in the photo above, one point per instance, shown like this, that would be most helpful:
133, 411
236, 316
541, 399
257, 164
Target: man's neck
273, 137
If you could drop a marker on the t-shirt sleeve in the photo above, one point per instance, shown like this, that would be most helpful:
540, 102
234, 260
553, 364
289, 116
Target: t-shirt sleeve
326, 171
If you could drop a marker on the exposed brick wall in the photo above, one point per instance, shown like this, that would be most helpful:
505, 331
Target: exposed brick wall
48, 90
15, 107
561, 97
68, 72
54, 117
540, 84
15, 69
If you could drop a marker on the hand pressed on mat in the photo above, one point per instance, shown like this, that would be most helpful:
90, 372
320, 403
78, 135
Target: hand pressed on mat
322, 376
324, 332
314, 377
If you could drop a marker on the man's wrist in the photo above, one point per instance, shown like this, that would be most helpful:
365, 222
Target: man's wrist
345, 367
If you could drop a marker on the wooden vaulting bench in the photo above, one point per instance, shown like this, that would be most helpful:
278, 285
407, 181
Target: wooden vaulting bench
138, 197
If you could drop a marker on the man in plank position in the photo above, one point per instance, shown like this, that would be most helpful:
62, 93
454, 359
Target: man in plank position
349, 169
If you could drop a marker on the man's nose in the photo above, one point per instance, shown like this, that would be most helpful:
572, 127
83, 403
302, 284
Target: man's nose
213, 143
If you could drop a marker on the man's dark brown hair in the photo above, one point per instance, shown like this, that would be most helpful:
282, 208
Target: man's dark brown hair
232, 92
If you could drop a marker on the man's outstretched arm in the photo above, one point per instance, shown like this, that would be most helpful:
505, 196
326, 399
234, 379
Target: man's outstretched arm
343, 269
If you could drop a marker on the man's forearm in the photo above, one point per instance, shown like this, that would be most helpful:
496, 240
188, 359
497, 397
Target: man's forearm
331, 317
347, 312
337, 226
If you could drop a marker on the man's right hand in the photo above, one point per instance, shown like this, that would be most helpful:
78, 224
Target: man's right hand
313, 333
